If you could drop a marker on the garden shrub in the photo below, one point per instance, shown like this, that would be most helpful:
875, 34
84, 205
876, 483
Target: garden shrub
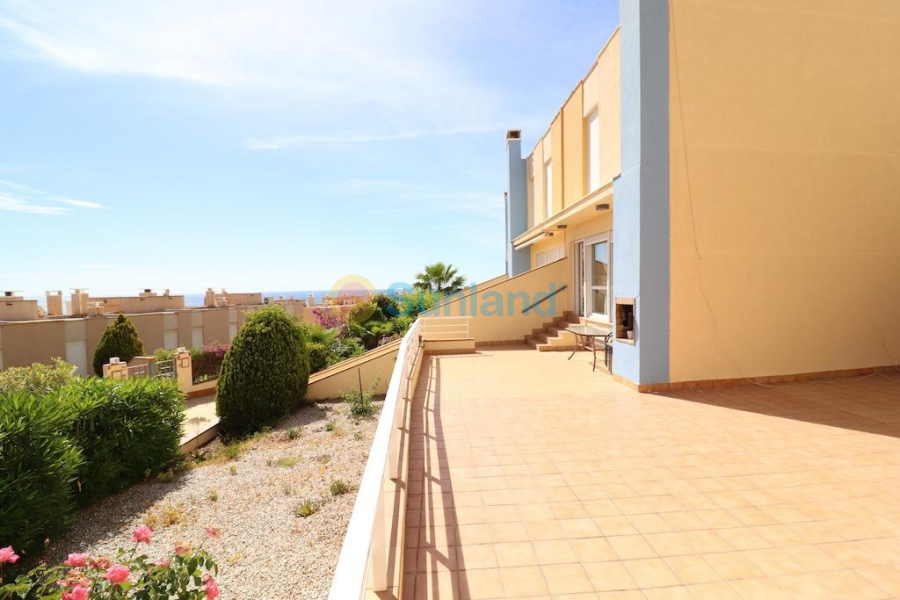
38, 379
124, 429
207, 360
119, 340
264, 375
164, 354
319, 354
38, 467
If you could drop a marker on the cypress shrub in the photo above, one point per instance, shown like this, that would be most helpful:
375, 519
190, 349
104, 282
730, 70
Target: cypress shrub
38, 467
124, 429
264, 374
120, 340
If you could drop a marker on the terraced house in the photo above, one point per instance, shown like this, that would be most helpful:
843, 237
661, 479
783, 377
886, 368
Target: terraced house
724, 187
721, 192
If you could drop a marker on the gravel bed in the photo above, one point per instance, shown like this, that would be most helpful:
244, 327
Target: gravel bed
266, 551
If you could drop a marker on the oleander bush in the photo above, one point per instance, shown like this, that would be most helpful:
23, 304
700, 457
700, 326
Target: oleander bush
92, 438
37, 379
206, 361
39, 465
125, 429
119, 340
265, 373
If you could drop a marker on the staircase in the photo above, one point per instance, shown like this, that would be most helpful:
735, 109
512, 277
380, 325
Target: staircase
552, 337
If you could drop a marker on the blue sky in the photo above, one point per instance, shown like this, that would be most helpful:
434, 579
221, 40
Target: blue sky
270, 145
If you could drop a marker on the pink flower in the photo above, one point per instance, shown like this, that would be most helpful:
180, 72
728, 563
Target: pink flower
117, 573
8, 555
77, 593
78, 559
213, 532
182, 548
212, 588
142, 534
162, 563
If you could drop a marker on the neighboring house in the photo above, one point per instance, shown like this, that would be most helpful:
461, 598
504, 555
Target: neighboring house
725, 181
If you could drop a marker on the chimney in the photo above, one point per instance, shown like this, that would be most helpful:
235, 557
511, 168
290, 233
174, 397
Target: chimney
79, 302
54, 303
518, 261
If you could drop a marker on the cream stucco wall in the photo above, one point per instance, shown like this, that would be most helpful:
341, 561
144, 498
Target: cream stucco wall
512, 325
785, 186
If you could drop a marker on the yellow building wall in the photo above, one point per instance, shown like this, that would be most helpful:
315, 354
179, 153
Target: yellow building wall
537, 182
785, 187
607, 77
564, 143
556, 143
573, 160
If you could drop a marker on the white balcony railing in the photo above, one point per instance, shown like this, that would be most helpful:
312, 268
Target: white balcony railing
445, 328
366, 540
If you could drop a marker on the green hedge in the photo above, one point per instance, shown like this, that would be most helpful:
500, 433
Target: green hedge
265, 373
124, 428
38, 468
92, 438
318, 356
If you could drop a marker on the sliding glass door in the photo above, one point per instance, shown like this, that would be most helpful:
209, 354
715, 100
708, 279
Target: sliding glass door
597, 257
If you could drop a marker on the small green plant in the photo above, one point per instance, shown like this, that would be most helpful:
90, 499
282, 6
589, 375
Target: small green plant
339, 488
331, 425
361, 401
287, 488
358, 436
307, 508
213, 496
232, 451
287, 461
166, 476
293, 433
233, 469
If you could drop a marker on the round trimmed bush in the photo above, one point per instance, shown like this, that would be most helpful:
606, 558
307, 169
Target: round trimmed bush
264, 374
38, 467
120, 340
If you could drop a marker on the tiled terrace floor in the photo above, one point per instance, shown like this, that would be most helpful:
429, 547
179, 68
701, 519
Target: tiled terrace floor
531, 476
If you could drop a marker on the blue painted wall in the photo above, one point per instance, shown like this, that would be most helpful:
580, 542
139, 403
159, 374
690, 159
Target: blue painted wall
518, 261
641, 193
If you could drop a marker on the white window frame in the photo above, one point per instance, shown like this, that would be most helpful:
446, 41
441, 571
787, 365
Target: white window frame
588, 257
548, 188
593, 151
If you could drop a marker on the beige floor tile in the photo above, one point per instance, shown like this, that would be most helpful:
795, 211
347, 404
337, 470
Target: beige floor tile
480, 584
593, 549
692, 569
515, 554
651, 572
629, 547
554, 552
481, 556
566, 579
520, 582
609, 576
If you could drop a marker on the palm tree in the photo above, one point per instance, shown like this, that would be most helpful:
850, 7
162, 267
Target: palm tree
439, 278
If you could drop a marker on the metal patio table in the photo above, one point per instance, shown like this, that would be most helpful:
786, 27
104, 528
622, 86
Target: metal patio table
589, 333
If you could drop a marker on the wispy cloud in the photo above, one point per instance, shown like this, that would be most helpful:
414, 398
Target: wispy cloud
385, 71
302, 140
18, 197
